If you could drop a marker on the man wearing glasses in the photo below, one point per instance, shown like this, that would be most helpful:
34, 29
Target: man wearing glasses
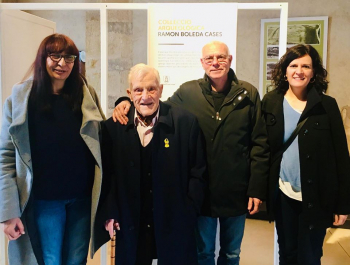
229, 114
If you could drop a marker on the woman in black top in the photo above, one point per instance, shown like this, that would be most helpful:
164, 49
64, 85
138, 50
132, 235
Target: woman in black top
50, 160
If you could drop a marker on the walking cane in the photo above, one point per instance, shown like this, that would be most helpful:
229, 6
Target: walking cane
113, 250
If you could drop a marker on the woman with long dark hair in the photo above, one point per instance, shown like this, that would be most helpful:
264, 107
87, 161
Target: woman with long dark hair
50, 162
309, 179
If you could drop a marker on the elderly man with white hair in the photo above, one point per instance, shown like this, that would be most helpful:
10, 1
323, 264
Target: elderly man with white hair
153, 178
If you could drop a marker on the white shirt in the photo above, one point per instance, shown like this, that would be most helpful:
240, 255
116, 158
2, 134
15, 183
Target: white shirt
145, 132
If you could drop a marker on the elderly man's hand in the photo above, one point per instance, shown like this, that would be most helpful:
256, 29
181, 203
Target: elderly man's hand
121, 111
253, 205
110, 225
339, 219
13, 228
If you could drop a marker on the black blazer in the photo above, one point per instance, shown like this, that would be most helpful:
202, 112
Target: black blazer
178, 185
324, 156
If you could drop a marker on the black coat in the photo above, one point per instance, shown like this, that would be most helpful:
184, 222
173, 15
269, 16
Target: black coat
178, 186
237, 151
323, 152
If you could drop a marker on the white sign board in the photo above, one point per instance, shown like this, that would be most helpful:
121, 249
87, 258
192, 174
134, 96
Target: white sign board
177, 33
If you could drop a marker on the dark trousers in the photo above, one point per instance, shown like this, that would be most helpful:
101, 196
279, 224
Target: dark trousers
146, 246
298, 244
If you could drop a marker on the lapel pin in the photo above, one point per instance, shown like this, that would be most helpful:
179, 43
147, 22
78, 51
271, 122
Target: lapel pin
166, 141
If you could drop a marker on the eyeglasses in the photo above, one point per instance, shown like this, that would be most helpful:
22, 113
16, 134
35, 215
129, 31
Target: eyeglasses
222, 59
68, 58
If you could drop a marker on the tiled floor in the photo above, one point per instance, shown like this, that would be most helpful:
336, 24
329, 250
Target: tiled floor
337, 247
258, 241
257, 246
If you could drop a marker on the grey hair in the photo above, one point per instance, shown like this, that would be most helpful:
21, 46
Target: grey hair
140, 70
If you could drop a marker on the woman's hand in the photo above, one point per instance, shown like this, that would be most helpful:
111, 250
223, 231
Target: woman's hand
120, 112
339, 219
13, 228
110, 225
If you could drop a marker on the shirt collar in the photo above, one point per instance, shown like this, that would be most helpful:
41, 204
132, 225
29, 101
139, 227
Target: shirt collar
137, 120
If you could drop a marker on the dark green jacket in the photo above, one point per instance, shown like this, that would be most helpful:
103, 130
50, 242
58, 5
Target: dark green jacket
237, 151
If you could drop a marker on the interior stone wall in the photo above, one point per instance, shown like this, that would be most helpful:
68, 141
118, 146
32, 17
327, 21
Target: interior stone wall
120, 52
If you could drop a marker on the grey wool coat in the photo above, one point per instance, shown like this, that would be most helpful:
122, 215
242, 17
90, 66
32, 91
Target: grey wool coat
16, 176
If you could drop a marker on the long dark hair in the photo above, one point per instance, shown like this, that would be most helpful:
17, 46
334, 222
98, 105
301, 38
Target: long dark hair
42, 87
318, 81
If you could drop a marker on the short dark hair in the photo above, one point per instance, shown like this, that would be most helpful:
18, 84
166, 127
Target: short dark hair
42, 86
295, 52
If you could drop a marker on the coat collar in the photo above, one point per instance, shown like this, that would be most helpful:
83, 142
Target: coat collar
20, 98
206, 85
89, 108
235, 89
278, 99
313, 98
165, 115
19, 127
